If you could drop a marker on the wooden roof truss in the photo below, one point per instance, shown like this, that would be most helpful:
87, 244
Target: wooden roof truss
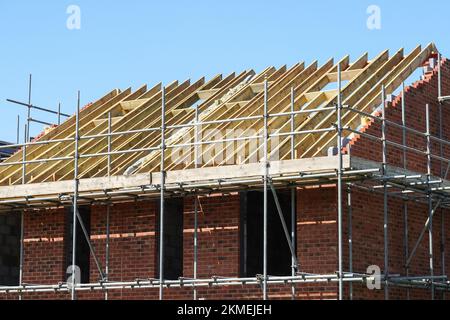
218, 99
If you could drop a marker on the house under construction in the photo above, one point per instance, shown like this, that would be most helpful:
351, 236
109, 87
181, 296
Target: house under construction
310, 182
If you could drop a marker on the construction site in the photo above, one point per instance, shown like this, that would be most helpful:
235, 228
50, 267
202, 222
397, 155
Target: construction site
313, 181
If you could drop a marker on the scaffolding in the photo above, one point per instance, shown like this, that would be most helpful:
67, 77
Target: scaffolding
346, 172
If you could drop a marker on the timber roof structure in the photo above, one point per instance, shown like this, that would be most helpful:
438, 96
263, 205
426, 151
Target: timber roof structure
222, 97
114, 144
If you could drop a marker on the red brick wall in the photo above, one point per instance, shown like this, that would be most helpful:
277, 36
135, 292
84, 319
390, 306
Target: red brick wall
368, 241
416, 97
44, 248
316, 239
218, 236
368, 233
133, 247
46, 229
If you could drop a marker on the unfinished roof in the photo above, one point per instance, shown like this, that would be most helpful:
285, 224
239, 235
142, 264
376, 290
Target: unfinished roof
5, 153
222, 97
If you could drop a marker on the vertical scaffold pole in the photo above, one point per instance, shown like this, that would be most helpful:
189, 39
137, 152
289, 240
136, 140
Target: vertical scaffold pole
350, 236
443, 240
59, 113
108, 213
24, 150
442, 164
266, 175
430, 200
108, 209
196, 137
339, 185
21, 251
29, 108
75, 199
195, 242
293, 191
109, 144
196, 131
441, 146
404, 125
439, 76
406, 241
22, 217
385, 194
292, 123
24, 155
18, 130
161, 219
405, 202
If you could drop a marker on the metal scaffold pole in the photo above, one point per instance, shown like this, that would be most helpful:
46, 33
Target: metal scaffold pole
195, 243
285, 229
21, 260
196, 137
439, 76
404, 125
29, 109
443, 240
405, 202
385, 194
161, 219
422, 233
266, 176
75, 200
339, 185
91, 247
196, 162
21, 250
441, 136
217, 281
108, 206
350, 237
24, 155
443, 174
18, 131
293, 194
430, 199
59, 113
109, 143
108, 222
406, 241
292, 118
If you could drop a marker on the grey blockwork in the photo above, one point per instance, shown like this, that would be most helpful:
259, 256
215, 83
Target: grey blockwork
9, 249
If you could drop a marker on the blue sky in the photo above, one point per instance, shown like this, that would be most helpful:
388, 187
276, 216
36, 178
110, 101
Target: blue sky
130, 43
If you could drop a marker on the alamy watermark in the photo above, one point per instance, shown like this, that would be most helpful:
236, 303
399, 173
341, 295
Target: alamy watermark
374, 19
73, 21
374, 281
74, 278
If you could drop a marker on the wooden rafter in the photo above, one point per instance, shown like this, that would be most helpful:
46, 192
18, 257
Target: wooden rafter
220, 98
